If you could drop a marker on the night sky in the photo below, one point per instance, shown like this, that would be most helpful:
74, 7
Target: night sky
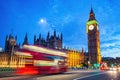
65, 16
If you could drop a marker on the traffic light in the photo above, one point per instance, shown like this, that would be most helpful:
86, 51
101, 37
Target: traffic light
112, 65
95, 65
98, 65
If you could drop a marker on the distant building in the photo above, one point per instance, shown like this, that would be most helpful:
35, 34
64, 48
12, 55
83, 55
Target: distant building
111, 61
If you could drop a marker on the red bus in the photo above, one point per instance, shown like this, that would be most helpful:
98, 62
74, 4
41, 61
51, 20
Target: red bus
103, 66
40, 60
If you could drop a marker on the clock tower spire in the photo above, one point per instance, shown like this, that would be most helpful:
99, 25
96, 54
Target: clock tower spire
93, 39
92, 15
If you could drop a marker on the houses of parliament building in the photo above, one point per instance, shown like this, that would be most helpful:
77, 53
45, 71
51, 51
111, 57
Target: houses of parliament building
75, 57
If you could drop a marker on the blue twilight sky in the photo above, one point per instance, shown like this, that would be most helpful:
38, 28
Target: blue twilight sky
66, 16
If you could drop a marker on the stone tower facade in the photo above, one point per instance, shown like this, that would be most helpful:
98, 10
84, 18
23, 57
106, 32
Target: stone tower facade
11, 44
93, 39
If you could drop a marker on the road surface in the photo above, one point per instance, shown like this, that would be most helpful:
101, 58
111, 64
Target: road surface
71, 75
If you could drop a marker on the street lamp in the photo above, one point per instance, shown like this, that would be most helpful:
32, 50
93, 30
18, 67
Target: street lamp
88, 64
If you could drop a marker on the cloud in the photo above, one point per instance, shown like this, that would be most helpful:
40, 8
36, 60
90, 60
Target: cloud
110, 44
66, 19
109, 32
110, 40
59, 14
114, 52
105, 11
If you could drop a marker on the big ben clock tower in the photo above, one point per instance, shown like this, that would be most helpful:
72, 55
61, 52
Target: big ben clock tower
93, 39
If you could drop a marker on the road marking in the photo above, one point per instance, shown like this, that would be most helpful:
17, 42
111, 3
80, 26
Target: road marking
89, 76
14, 77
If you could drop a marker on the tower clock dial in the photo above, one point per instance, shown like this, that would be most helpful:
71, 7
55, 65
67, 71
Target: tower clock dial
91, 27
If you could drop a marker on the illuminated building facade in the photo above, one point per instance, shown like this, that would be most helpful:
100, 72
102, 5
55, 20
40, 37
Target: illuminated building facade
93, 39
14, 62
75, 58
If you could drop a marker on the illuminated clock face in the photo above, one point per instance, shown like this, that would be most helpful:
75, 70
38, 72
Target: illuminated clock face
91, 27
